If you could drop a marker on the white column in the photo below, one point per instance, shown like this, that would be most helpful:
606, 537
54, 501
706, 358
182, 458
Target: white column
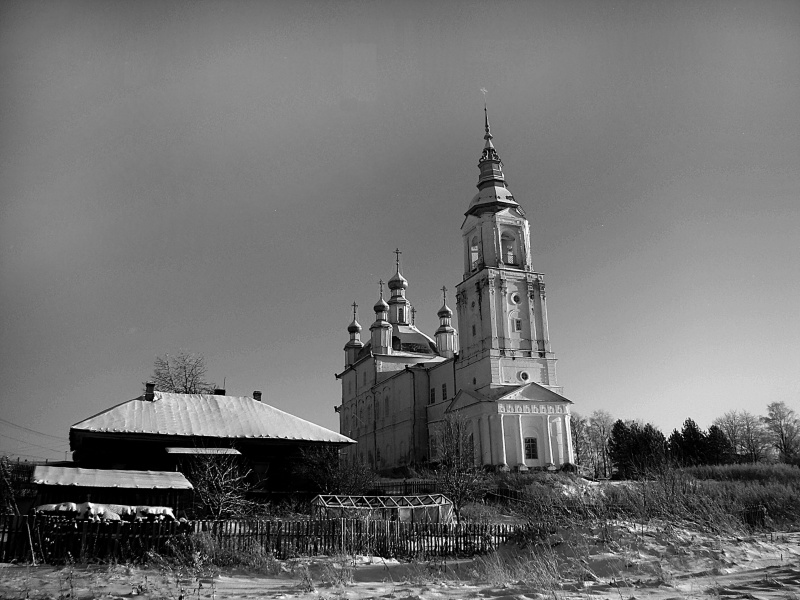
549, 454
501, 447
521, 443
560, 440
570, 451
486, 440
477, 442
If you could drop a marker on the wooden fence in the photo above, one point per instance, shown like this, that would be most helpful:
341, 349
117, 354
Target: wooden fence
52, 540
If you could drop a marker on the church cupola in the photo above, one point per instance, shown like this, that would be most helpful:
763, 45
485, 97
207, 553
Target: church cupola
352, 348
490, 165
493, 195
445, 335
399, 306
381, 329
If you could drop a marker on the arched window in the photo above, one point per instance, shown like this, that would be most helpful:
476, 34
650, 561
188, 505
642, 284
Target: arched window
509, 249
401, 315
474, 253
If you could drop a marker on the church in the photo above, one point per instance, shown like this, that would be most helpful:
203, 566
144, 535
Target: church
498, 373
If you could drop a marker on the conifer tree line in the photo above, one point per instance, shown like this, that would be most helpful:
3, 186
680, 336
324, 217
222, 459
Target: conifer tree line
626, 449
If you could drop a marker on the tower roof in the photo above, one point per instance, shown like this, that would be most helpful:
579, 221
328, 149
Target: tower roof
489, 163
492, 191
398, 282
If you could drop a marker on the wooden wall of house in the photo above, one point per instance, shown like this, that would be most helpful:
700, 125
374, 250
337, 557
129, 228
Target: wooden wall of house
271, 461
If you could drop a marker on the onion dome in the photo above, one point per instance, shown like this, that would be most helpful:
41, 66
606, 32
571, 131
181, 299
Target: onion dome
445, 312
445, 335
398, 282
354, 327
381, 306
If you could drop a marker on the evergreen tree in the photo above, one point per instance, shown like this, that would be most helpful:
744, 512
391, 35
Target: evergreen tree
636, 449
719, 450
691, 444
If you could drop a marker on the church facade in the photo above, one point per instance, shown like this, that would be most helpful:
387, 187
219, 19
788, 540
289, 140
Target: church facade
497, 373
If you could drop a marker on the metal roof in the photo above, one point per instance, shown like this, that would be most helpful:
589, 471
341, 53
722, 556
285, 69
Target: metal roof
213, 451
110, 478
206, 415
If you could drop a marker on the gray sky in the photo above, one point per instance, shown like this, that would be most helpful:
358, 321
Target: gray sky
227, 177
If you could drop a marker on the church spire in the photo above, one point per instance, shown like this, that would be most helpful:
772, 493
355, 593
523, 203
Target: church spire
381, 329
445, 335
355, 344
489, 163
399, 306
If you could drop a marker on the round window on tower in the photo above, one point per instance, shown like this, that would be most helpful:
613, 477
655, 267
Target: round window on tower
515, 298
523, 375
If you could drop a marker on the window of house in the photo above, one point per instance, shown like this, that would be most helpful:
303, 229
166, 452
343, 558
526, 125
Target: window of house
444, 391
531, 449
473, 331
432, 398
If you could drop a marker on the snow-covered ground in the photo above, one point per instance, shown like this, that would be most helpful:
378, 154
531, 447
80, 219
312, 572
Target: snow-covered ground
619, 562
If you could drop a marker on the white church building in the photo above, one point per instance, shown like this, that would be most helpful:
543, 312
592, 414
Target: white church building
498, 374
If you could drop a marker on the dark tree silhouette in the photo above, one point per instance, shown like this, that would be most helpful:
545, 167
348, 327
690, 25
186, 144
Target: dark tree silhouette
635, 449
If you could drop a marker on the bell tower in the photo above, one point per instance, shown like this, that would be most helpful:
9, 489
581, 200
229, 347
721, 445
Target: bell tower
502, 312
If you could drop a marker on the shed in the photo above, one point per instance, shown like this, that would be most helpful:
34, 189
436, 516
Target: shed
111, 486
426, 508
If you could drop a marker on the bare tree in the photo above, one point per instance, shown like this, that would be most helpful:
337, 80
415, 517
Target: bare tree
327, 473
579, 428
784, 429
731, 424
457, 474
221, 483
601, 424
183, 373
755, 438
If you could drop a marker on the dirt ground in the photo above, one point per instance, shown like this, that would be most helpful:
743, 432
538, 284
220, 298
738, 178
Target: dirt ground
626, 562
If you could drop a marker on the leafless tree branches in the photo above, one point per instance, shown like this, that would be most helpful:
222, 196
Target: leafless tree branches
182, 373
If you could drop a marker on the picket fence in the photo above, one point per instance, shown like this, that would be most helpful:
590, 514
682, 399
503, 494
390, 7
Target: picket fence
52, 540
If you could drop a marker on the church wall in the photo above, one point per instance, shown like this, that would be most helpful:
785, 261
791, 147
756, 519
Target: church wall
393, 402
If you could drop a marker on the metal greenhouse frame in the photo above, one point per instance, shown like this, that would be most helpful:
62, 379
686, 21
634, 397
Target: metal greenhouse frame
425, 508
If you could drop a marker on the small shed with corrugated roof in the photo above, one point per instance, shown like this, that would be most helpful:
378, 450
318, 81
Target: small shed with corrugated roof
108, 486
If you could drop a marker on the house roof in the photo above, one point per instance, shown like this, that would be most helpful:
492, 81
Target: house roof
110, 478
205, 415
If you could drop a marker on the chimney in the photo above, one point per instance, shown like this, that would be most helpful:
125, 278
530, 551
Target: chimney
257, 396
219, 391
149, 391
